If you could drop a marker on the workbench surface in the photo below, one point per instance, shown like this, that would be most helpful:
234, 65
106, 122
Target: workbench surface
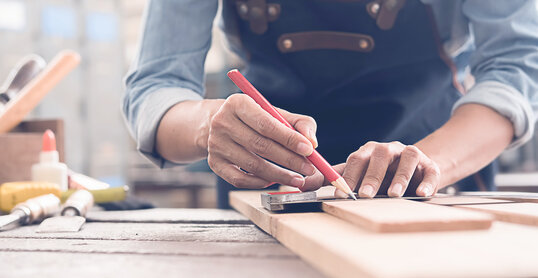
151, 243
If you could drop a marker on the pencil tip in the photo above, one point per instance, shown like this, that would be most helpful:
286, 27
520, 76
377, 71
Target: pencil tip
352, 195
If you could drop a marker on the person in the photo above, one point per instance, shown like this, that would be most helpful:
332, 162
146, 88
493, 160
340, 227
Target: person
378, 84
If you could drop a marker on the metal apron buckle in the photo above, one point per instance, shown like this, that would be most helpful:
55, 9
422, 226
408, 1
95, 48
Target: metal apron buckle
385, 12
258, 13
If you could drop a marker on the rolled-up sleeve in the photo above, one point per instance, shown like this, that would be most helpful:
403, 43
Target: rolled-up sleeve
169, 67
505, 63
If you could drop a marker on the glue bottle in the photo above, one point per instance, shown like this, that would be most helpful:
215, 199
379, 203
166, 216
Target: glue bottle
49, 168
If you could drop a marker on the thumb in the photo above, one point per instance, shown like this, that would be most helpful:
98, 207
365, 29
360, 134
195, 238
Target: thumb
305, 125
317, 180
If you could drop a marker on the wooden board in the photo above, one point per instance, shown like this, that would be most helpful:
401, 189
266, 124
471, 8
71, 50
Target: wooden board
398, 215
144, 247
463, 200
169, 215
520, 213
82, 265
139, 249
151, 231
341, 249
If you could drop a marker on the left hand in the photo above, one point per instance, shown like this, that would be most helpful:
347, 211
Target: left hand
385, 168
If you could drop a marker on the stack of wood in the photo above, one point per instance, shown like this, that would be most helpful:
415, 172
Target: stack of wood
442, 237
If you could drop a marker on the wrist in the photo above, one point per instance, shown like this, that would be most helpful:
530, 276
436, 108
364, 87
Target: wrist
431, 146
208, 108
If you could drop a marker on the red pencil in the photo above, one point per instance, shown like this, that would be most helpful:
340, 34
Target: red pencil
319, 162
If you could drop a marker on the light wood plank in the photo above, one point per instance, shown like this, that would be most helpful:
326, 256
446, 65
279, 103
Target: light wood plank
341, 249
463, 200
520, 213
398, 215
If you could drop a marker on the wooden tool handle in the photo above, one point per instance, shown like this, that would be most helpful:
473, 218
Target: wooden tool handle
30, 96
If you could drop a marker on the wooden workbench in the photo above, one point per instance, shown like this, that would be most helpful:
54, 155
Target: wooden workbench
151, 243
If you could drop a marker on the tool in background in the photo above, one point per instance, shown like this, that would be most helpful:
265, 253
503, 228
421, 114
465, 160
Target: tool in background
80, 181
49, 168
109, 195
321, 164
13, 193
33, 210
19, 76
73, 214
30, 96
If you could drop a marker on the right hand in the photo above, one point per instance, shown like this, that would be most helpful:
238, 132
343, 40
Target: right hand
246, 145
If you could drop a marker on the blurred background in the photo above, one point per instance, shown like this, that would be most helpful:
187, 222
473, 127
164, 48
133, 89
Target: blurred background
105, 33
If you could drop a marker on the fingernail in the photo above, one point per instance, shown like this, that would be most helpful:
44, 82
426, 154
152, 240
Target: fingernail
426, 191
313, 138
339, 194
297, 182
308, 169
366, 191
304, 149
396, 190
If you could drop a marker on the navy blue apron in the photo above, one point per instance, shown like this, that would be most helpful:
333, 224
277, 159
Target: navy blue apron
392, 85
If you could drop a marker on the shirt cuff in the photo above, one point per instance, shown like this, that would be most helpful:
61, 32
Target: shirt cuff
508, 102
151, 112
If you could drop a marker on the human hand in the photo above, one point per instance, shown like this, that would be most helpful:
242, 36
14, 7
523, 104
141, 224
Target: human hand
385, 168
249, 148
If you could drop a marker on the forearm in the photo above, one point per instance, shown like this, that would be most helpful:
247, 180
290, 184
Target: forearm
183, 131
473, 137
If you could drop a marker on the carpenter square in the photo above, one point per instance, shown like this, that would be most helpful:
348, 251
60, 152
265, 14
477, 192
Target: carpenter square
297, 201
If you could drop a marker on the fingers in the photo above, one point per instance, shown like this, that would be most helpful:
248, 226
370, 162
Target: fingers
382, 156
431, 180
409, 160
269, 149
233, 175
356, 165
317, 180
257, 166
262, 122
305, 125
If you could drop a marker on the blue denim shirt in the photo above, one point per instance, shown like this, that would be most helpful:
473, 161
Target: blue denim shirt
497, 40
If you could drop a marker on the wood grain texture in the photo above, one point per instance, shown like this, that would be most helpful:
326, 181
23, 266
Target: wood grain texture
463, 200
398, 215
520, 213
340, 249
161, 248
82, 265
169, 215
152, 232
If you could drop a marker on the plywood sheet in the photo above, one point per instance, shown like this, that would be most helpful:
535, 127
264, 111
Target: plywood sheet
521, 213
340, 249
463, 200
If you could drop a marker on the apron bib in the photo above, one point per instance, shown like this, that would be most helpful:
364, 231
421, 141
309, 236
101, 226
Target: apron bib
372, 69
